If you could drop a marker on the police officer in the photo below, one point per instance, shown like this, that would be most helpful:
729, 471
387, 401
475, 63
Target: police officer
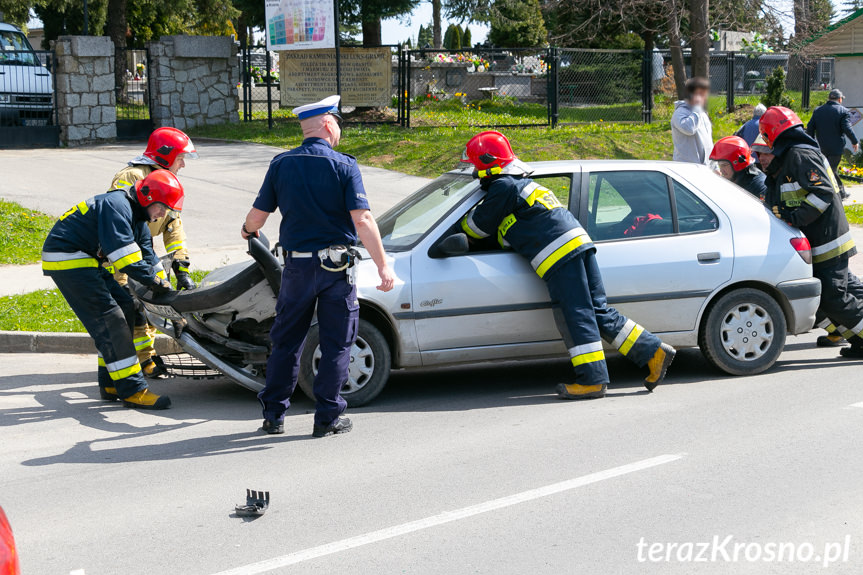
320, 195
531, 220
802, 190
734, 162
830, 125
167, 149
112, 227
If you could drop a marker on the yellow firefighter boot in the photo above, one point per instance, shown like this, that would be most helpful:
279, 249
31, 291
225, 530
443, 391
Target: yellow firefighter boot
658, 365
578, 391
108, 393
146, 399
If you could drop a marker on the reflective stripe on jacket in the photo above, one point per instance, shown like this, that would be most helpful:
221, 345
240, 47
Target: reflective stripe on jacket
106, 227
530, 219
804, 187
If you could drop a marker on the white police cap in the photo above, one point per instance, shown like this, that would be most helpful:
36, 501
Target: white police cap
329, 105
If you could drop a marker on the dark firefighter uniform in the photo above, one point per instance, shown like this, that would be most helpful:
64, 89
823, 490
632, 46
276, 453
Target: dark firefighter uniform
173, 236
314, 188
109, 227
530, 219
802, 190
752, 180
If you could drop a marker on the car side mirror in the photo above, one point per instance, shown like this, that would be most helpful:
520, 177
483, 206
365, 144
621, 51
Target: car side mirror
454, 245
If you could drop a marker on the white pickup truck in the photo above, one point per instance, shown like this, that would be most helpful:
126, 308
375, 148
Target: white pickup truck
26, 85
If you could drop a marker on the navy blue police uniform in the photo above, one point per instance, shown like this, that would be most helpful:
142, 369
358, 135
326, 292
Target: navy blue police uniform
531, 220
109, 227
314, 188
752, 180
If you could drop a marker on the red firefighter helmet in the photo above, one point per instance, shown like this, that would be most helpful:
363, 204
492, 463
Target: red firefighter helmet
165, 144
489, 152
162, 187
732, 149
775, 121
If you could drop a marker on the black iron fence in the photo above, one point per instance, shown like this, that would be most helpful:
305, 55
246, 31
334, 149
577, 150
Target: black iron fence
495, 87
133, 90
28, 114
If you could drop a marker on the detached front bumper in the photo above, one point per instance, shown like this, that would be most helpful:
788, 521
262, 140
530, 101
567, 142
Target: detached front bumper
804, 297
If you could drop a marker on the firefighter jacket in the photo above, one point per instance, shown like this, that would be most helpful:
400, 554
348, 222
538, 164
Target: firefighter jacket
530, 219
112, 227
803, 187
171, 226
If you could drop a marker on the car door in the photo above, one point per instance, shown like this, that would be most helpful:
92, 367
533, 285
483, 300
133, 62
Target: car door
661, 247
487, 297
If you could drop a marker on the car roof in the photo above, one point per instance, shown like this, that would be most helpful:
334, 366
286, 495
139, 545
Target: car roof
550, 167
4, 27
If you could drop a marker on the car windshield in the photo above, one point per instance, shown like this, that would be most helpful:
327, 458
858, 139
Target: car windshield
407, 223
15, 50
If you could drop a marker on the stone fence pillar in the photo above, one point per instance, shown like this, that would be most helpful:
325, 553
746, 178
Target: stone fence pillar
195, 82
86, 106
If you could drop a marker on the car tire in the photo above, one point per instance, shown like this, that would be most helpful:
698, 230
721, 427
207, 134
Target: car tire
743, 332
371, 351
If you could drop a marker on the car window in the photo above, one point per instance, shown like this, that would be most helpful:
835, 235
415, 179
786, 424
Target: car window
692, 214
560, 185
16, 50
628, 204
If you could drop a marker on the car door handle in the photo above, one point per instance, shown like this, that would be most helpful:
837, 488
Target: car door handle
708, 257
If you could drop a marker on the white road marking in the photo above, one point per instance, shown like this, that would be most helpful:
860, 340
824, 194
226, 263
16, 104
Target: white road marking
856, 404
447, 517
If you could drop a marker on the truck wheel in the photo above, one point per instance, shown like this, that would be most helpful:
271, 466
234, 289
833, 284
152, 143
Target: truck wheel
369, 369
743, 332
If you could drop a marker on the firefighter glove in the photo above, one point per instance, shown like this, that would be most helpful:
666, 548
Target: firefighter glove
181, 271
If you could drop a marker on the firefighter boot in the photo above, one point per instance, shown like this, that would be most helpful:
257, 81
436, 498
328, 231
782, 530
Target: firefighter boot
154, 368
578, 391
854, 351
658, 365
108, 393
832, 340
146, 399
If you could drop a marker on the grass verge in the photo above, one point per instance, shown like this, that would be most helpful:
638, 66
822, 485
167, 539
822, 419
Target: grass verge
23, 232
46, 310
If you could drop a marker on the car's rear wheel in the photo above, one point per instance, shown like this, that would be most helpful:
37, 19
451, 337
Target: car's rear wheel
743, 332
369, 369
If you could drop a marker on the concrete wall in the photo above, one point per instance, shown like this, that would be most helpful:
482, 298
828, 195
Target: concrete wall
86, 107
194, 81
849, 79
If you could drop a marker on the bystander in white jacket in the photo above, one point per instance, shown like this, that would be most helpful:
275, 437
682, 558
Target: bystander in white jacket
691, 133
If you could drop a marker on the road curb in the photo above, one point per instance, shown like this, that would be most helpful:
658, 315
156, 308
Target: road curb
46, 342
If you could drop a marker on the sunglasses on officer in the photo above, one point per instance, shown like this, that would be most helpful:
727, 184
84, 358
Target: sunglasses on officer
338, 118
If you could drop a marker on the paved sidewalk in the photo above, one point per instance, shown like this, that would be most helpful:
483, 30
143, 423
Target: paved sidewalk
220, 188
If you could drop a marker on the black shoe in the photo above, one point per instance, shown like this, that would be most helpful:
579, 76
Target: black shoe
273, 427
852, 352
340, 425
830, 341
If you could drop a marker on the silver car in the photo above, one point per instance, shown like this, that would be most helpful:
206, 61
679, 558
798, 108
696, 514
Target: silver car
690, 256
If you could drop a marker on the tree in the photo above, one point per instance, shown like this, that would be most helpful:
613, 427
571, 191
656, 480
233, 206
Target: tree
699, 37
775, 94
466, 39
436, 24
851, 6
15, 12
452, 37
368, 14
517, 24
425, 37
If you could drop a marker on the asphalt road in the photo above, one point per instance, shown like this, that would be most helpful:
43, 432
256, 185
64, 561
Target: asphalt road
450, 471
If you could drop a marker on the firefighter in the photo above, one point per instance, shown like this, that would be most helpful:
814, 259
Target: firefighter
735, 163
529, 218
167, 149
113, 227
802, 191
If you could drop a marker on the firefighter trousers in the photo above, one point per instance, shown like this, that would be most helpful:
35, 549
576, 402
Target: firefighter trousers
841, 309
108, 313
584, 318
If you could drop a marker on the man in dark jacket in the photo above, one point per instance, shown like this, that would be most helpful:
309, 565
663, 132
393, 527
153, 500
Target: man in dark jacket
531, 220
802, 192
830, 124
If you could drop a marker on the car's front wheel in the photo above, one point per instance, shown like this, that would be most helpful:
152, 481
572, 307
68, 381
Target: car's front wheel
369, 369
743, 332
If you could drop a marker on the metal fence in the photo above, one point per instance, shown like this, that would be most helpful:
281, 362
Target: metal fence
28, 115
133, 95
496, 87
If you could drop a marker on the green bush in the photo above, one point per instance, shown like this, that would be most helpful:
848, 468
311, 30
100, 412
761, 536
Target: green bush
775, 95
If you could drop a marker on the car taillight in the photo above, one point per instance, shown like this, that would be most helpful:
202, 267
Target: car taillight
802, 247
8, 555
